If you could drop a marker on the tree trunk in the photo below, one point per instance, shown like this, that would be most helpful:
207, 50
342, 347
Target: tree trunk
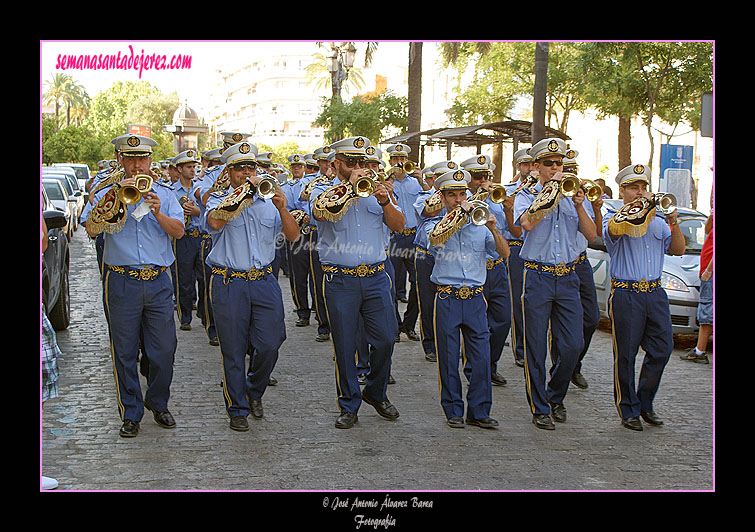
625, 142
540, 91
414, 118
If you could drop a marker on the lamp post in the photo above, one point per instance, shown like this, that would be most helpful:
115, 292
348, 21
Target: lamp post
340, 61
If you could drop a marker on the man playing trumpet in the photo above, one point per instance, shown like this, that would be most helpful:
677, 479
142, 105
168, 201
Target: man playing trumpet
459, 273
550, 292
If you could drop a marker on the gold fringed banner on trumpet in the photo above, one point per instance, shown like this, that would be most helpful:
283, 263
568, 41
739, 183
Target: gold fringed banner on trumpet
434, 204
234, 203
448, 226
332, 204
222, 182
112, 179
109, 214
545, 202
633, 218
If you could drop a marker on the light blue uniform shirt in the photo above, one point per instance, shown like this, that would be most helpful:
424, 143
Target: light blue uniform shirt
496, 209
554, 239
420, 239
357, 238
248, 241
507, 234
406, 192
461, 261
637, 258
179, 190
142, 243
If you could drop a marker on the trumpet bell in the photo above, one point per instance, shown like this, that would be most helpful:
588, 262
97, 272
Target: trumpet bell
665, 202
497, 194
570, 184
131, 194
409, 167
592, 190
266, 187
364, 186
480, 213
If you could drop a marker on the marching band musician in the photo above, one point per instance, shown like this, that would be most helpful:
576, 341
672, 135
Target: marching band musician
351, 247
587, 294
137, 293
550, 289
637, 304
246, 297
496, 287
514, 264
298, 256
189, 269
459, 274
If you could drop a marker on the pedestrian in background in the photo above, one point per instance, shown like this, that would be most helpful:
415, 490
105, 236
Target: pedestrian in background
705, 305
50, 353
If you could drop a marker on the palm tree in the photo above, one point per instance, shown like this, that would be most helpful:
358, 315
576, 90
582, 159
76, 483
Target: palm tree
62, 90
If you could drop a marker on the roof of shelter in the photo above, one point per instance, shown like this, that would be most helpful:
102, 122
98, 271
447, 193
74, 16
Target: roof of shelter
478, 134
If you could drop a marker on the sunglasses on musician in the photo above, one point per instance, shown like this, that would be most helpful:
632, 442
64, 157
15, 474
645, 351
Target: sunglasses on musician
243, 166
551, 162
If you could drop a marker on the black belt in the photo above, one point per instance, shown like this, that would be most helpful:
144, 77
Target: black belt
465, 292
148, 273
363, 270
635, 286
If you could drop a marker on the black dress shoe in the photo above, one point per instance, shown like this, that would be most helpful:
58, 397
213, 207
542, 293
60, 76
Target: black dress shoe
129, 429
384, 408
411, 334
558, 413
164, 419
362, 379
455, 422
257, 411
322, 337
519, 363
632, 423
497, 379
543, 421
432, 357
346, 420
239, 424
651, 418
579, 381
391, 380
214, 341
485, 423
186, 326
302, 322
272, 381
403, 300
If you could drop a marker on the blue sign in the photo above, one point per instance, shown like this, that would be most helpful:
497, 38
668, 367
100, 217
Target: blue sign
676, 172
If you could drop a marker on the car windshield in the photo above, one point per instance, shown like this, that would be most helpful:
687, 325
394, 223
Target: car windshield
693, 229
53, 190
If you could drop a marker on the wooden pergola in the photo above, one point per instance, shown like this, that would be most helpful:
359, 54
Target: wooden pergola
513, 131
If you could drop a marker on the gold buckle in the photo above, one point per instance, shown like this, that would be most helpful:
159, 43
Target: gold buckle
643, 286
561, 269
363, 270
464, 292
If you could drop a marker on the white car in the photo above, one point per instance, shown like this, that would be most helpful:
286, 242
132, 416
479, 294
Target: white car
82, 173
680, 277
58, 196
70, 183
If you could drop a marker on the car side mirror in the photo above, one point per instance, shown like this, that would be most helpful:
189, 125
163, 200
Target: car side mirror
54, 219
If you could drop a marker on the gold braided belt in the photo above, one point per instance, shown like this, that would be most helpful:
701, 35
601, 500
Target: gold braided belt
636, 286
517, 243
406, 232
245, 275
559, 270
465, 292
148, 273
363, 270
490, 264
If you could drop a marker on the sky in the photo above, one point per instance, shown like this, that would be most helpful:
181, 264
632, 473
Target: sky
194, 83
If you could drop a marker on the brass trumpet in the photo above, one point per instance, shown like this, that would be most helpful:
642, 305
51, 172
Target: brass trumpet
570, 185
266, 187
407, 167
665, 202
479, 213
497, 192
131, 194
365, 185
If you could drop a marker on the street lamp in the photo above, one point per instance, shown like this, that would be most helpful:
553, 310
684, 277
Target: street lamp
340, 60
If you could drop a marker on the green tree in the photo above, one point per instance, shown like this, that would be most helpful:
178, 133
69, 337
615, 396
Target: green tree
63, 92
368, 117
72, 144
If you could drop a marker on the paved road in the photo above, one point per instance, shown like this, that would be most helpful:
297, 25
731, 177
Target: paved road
296, 447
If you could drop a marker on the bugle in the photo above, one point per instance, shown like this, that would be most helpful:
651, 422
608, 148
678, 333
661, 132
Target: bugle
131, 194
267, 186
479, 213
365, 185
570, 185
497, 192
665, 202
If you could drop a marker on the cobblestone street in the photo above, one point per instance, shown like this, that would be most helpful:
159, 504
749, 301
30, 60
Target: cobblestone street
296, 446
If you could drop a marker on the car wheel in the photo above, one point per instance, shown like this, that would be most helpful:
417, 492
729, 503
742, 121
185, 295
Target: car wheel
60, 314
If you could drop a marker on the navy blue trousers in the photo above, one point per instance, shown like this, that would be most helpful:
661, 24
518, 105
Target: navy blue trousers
515, 267
298, 275
347, 299
315, 271
247, 313
363, 347
454, 319
496, 291
189, 270
590, 309
639, 320
551, 302
140, 312
425, 297
401, 253
209, 314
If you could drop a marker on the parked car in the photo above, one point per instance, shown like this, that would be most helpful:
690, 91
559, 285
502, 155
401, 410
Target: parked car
58, 196
68, 177
680, 277
82, 173
55, 264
